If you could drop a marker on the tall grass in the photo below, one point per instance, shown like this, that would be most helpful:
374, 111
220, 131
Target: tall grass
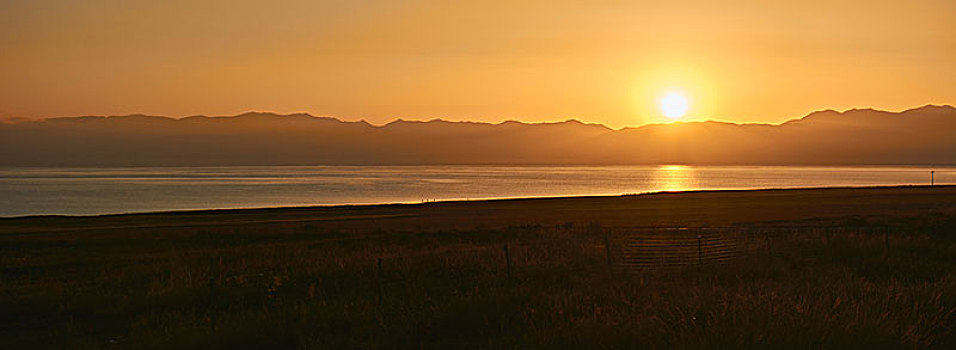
300, 285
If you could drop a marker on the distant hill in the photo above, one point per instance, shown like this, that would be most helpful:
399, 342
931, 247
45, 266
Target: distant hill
921, 136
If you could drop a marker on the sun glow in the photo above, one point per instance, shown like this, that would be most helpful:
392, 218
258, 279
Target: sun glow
674, 105
675, 178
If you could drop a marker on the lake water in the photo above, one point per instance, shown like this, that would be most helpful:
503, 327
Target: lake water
31, 191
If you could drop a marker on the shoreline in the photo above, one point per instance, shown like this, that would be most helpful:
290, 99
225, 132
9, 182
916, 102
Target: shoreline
427, 202
703, 206
89, 192
477, 200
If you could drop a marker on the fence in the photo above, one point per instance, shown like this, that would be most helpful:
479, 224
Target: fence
655, 248
633, 250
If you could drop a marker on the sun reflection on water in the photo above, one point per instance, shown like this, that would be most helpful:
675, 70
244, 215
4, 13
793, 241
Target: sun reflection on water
675, 178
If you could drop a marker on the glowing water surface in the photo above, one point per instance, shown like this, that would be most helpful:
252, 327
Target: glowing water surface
30, 191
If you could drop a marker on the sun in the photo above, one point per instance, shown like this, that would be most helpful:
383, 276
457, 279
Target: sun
674, 105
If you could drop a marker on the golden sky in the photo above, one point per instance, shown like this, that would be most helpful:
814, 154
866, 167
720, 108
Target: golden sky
597, 61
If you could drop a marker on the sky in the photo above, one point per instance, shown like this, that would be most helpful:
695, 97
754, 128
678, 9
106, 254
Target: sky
606, 62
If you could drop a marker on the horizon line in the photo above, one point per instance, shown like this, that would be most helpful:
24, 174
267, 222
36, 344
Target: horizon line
16, 120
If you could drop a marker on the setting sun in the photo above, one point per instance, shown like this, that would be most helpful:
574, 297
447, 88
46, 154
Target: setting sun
674, 105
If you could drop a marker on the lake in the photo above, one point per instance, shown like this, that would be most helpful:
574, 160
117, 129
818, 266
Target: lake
36, 191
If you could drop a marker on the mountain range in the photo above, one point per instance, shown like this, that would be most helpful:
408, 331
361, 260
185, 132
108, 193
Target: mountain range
919, 136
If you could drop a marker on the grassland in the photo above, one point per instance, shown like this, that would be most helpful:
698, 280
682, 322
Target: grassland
436, 275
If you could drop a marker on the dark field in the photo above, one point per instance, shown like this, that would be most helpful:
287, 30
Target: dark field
828, 267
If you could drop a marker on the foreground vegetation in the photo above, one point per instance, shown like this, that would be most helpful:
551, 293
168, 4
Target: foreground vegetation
878, 271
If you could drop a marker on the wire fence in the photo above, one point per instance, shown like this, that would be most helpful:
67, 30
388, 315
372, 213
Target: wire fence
633, 249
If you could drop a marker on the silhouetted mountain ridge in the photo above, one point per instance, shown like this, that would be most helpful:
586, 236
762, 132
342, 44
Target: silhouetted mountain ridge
921, 135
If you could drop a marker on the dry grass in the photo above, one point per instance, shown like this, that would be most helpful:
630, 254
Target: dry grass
311, 285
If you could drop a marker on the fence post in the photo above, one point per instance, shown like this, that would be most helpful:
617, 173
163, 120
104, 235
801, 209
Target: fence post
886, 243
212, 305
507, 261
700, 251
769, 246
826, 233
607, 253
378, 280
